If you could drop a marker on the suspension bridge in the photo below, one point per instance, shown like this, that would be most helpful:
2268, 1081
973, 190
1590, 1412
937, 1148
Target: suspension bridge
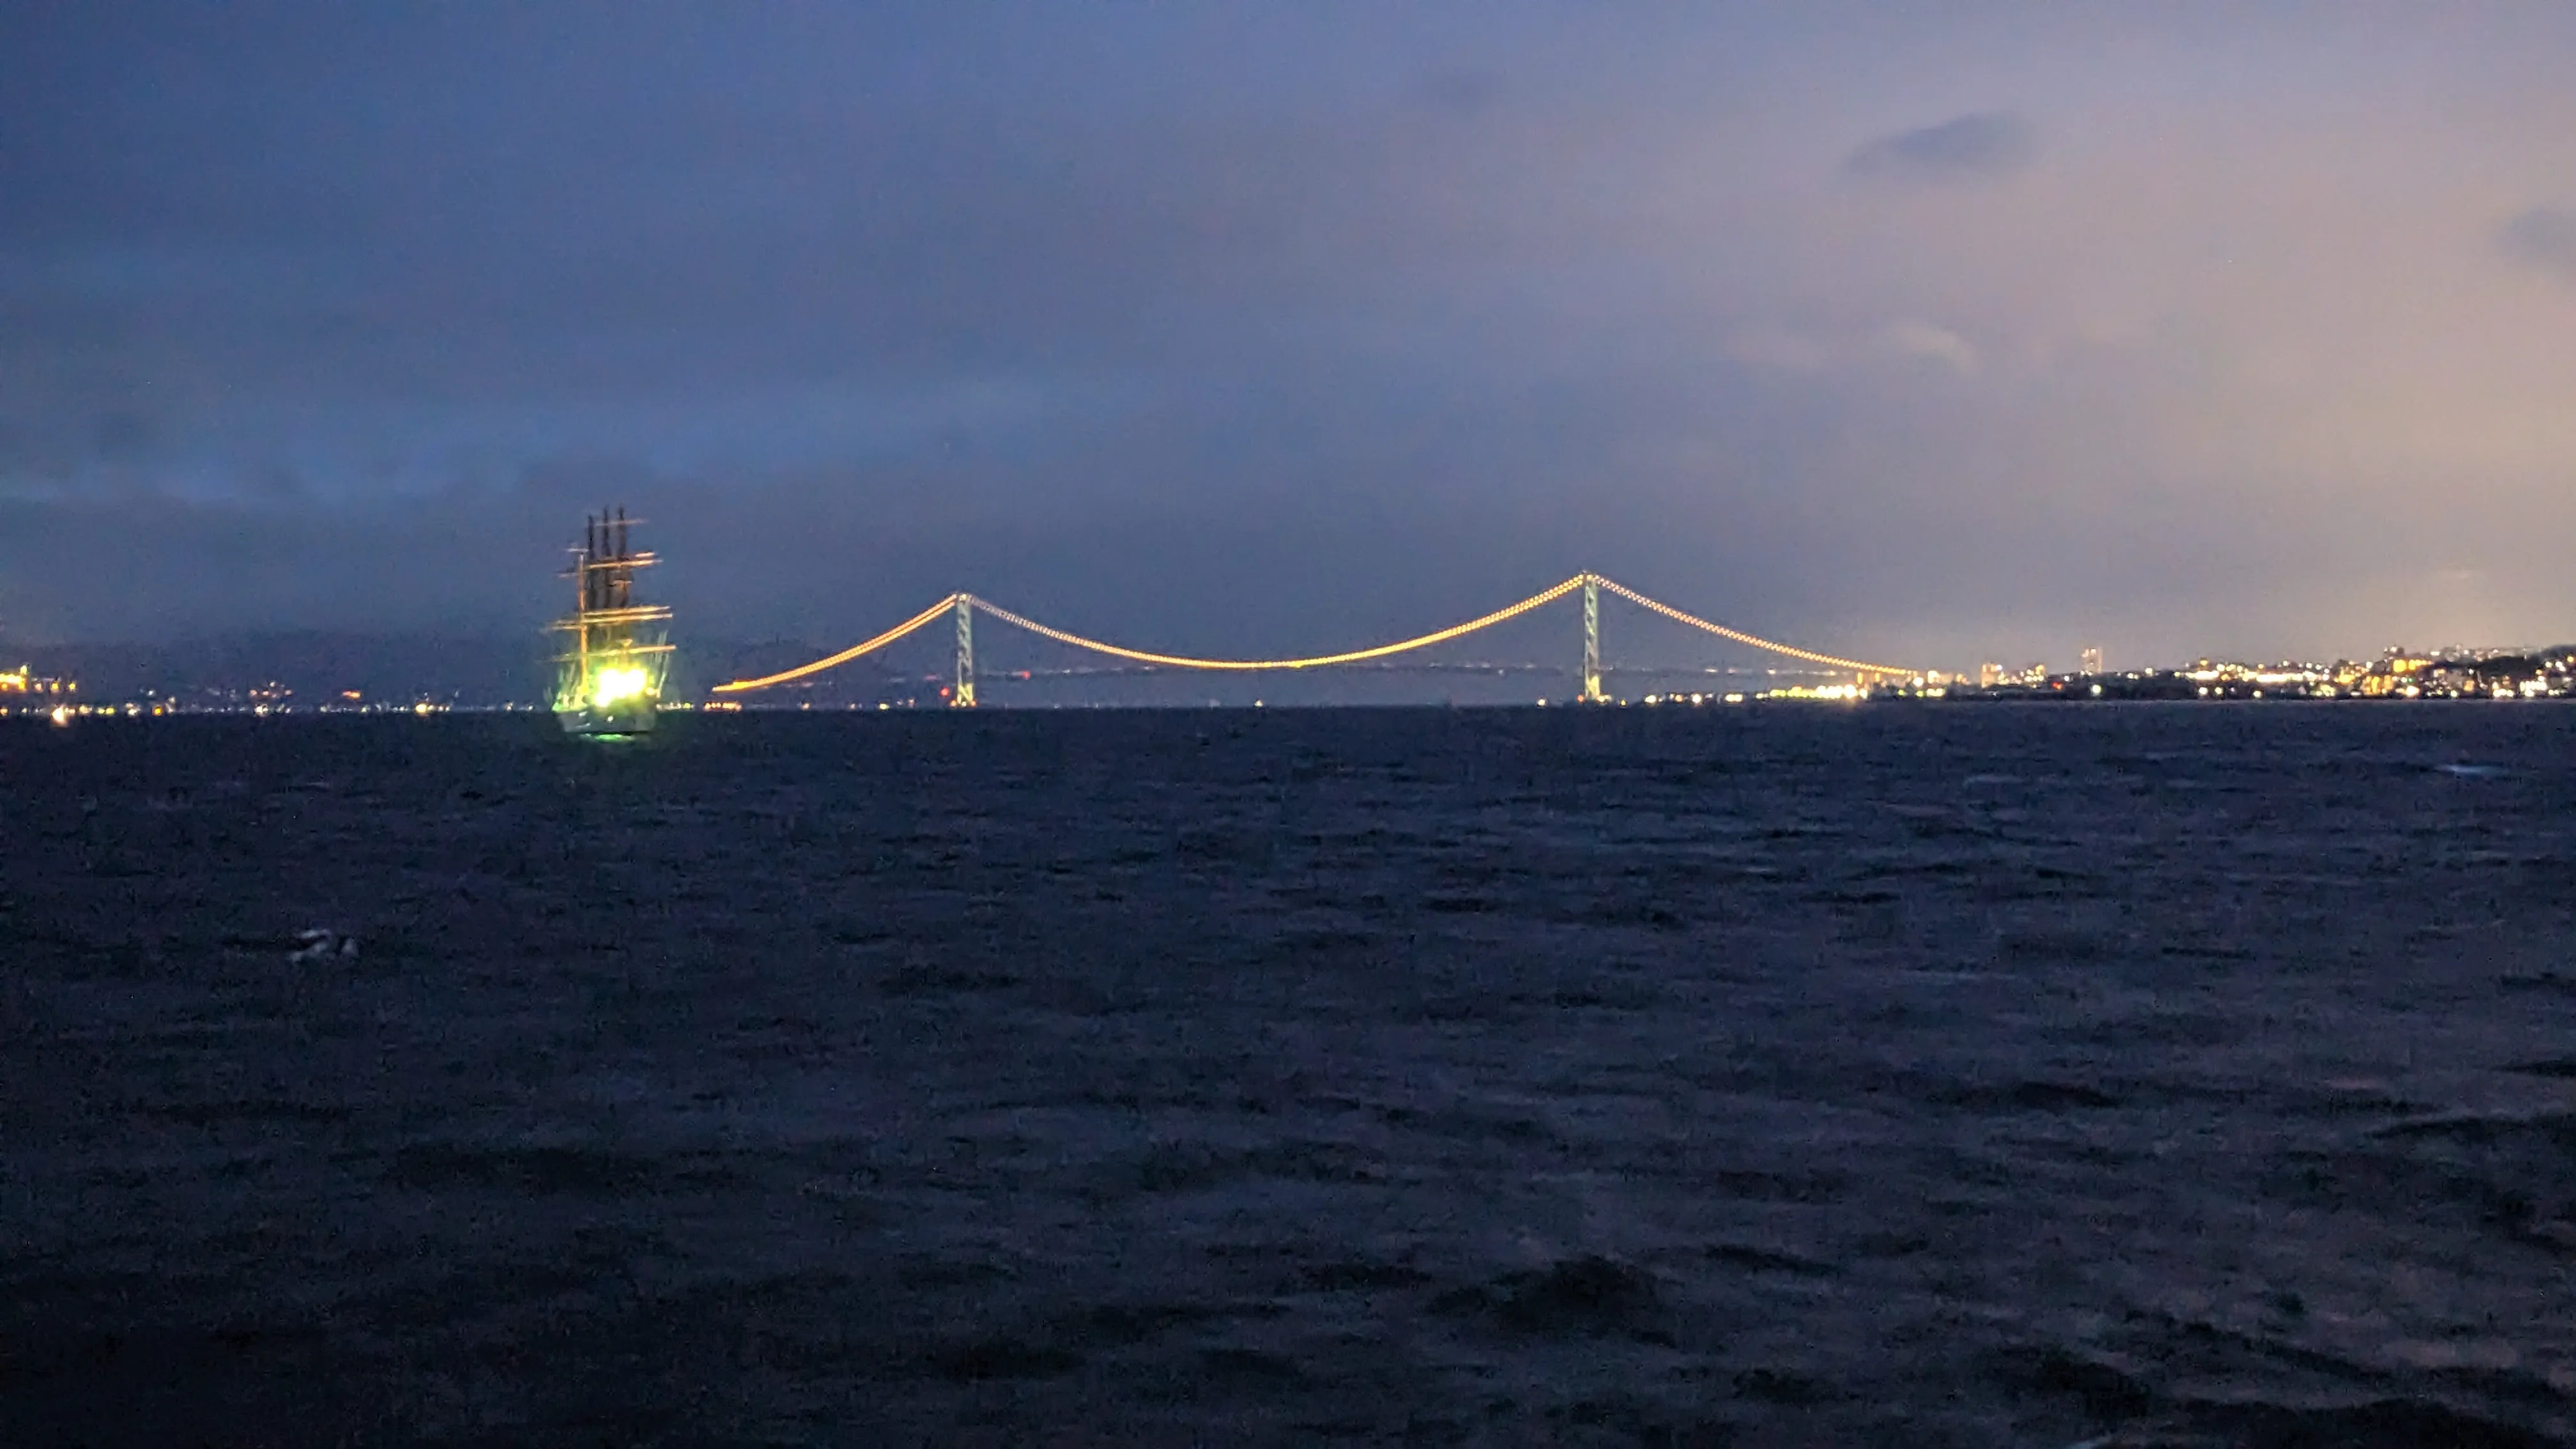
961, 609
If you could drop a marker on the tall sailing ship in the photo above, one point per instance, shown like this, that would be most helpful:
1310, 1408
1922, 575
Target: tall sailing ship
610, 681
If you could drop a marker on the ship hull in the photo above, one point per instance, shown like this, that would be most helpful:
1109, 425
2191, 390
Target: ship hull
626, 717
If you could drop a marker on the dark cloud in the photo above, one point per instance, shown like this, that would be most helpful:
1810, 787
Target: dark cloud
1466, 92
2544, 236
1986, 143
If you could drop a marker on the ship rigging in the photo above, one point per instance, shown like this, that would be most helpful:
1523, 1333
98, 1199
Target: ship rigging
609, 682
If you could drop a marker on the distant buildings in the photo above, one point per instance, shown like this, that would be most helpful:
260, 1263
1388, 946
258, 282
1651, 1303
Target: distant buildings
2397, 674
23, 691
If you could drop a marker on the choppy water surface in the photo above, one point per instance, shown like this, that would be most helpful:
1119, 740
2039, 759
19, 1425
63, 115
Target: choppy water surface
2190, 1076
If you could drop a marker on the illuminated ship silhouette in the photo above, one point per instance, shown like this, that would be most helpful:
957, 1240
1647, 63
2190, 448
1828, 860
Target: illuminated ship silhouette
610, 681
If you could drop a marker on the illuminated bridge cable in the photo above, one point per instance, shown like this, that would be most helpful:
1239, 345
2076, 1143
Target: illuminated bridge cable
846, 655
1181, 661
963, 604
1740, 637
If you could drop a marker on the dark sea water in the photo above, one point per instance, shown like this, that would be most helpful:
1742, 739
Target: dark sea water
1968, 1076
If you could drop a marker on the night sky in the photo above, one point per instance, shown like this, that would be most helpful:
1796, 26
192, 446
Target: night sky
1929, 333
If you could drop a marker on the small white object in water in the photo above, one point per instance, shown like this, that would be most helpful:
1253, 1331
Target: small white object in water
321, 945
2473, 772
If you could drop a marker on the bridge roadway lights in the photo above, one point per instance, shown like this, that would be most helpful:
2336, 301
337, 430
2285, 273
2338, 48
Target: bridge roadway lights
964, 698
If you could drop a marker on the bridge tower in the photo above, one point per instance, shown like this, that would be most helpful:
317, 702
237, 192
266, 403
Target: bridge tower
964, 698
1592, 639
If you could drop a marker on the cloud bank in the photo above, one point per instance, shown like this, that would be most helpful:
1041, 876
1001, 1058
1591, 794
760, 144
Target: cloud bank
1233, 327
